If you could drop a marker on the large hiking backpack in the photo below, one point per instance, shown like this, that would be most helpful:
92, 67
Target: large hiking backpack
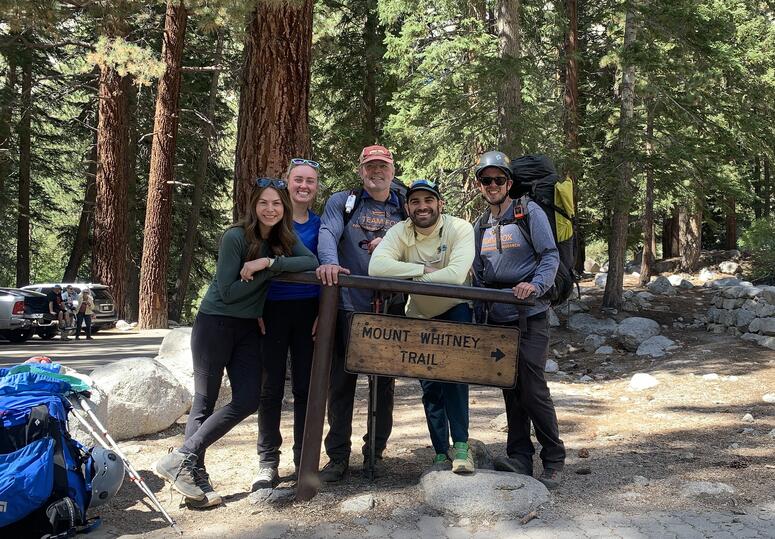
45, 486
356, 196
535, 179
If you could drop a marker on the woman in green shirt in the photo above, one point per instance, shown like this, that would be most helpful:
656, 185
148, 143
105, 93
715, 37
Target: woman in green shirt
226, 332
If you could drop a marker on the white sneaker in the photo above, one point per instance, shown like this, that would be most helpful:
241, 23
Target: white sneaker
267, 477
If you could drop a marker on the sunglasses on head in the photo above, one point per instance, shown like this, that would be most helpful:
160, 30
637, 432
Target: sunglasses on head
429, 183
296, 161
499, 180
271, 182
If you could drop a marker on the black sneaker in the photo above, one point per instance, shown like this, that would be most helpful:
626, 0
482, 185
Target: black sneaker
334, 471
178, 469
551, 478
211, 498
267, 477
508, 464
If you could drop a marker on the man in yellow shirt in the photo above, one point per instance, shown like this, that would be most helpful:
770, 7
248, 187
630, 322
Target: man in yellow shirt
435, 248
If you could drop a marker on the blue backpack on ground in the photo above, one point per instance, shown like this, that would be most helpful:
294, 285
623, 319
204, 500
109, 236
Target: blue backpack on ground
44, 484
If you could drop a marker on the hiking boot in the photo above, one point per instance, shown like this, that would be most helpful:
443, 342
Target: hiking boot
178, 469
508, 464
550, 478
441, 462
334, 471
212, 498
267, 477
462, 460
379, 467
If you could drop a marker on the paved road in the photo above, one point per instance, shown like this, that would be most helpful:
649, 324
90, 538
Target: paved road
84, 355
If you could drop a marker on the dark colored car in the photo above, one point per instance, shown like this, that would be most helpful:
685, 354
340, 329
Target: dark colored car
104, 316
22, 314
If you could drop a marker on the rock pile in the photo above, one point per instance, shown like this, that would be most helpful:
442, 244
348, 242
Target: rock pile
743, 310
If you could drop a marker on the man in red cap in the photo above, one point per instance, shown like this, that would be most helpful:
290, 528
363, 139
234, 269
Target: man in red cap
352, 225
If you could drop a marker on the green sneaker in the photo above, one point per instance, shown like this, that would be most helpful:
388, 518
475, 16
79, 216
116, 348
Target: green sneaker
441, 458
462, 461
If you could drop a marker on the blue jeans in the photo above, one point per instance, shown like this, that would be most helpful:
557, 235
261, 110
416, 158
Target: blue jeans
445, 403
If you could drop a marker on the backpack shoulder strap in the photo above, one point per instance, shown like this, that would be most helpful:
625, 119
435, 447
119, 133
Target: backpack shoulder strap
523, 220
347, 215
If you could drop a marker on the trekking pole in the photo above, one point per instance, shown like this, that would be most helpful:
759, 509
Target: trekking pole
133, 474
372, 423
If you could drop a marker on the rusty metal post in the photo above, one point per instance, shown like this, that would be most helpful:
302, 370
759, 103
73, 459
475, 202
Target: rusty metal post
308, 482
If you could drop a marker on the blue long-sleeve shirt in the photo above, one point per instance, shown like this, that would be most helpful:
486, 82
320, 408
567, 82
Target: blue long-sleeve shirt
345, 245
509, 260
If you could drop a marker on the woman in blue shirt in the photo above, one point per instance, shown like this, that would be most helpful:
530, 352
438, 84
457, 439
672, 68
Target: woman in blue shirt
290, 316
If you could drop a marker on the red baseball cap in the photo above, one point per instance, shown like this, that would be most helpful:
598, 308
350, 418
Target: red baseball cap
376, 153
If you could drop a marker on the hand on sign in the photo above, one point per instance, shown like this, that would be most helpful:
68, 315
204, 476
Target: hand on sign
523, 290
329, 273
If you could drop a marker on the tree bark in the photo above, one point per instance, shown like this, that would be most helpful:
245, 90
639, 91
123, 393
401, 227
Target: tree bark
510, 95
200, 182
731, 224
690, 235
109, 266
647, 261
768, 190
273, 123
758, 188
25, 151
373, 45
6, 129
571, 117
81, 240
617, 244
158, 209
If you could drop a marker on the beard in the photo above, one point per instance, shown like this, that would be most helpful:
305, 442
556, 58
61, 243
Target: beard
426, 220
496, 202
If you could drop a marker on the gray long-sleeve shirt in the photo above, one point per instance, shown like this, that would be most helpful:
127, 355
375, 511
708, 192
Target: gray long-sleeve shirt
506, 261
345, 246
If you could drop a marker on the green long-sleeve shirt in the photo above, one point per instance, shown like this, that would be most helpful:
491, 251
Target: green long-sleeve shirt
228, 295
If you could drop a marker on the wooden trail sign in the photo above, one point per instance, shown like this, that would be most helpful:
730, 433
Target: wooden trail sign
433, 350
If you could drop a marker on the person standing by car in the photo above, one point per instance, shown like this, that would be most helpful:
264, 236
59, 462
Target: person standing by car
56, 308
84, 312
226, 332
69, 297
287, 302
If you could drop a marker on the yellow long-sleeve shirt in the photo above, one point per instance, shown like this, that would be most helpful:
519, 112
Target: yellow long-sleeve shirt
404, 252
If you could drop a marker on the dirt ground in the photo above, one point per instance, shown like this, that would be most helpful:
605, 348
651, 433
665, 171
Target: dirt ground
688, 428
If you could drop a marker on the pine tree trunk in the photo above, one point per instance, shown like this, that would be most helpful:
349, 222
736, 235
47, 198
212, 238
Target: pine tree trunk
731, 222
111, 227
647, 261
510, 95
758, 189
273, 123
25, 151
769, 189
690, 236
81, 241
135, 212
617, 244
571, 117
200, 182
158, 209
373, 58
6, 129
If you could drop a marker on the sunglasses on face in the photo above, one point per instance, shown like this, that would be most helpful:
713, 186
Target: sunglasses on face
299, 161
267, 182
499, 180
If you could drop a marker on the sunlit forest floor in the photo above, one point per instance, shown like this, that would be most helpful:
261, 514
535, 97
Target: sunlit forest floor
688, 428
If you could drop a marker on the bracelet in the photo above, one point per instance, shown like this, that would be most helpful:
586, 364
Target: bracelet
271, 261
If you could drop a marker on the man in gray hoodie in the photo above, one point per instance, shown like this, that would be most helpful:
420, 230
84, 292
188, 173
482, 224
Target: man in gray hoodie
352, 225
506, 258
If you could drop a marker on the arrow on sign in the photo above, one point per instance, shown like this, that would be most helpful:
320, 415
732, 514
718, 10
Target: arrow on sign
497, 355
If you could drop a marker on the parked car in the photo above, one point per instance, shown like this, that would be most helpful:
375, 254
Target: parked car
104, 316
22, 313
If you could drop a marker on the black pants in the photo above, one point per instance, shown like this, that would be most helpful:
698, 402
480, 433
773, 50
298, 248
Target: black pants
218, 343
288, 326
341, 394
79, 319
531, 401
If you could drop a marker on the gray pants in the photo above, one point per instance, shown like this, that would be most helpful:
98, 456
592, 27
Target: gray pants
531, 401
